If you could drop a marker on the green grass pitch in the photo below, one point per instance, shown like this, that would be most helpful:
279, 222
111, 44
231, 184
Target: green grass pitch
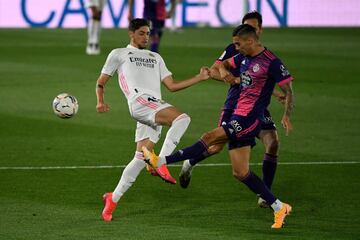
38, 64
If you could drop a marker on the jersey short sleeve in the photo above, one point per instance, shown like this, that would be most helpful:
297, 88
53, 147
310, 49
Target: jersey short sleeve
236, 60
164, 72
229, 52
279, 72
112, 63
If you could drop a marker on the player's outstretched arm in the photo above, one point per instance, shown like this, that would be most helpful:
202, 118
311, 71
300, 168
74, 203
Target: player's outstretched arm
173, 85
288, 106
101, 106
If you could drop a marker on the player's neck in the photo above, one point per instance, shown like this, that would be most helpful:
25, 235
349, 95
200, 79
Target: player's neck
134, 45
257, 50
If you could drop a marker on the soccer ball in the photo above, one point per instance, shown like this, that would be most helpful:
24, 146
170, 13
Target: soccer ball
65, 105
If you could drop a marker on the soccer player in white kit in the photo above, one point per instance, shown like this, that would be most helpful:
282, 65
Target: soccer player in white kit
140, 74
94, 26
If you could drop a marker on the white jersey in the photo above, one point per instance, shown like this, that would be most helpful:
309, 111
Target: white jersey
139, 71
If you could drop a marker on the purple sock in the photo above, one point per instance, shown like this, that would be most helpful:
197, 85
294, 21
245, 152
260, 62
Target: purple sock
194, 151
258, 187
269, 169
194, 161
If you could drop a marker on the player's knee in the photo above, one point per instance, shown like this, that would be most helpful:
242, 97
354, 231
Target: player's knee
183, 118
97, 16
272, 146
240, 174
214, 149
208, 137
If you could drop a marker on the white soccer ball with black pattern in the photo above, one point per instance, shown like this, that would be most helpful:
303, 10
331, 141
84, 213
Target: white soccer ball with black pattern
65, 105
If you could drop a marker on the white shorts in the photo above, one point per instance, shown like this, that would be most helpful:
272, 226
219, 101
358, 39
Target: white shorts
144, 108
96, 3
144, 131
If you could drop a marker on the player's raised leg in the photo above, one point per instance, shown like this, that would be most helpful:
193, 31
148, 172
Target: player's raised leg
188, 165
200, 148
178, 123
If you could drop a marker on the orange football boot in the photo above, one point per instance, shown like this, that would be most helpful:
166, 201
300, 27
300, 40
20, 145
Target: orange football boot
109, 208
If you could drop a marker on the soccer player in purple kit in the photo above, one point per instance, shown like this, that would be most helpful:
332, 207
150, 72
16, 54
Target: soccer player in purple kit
268, 134
155, 12
259, 70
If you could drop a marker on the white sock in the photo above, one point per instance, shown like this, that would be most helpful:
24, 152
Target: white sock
129, 176
90, 30
277, 205
173, 136
94, 29
97, 30
187, 166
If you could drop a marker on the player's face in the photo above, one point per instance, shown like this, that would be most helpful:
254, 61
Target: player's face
254, 23
243, 45
140, 38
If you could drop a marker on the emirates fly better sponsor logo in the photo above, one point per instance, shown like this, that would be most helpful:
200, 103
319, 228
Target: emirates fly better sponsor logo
143, 62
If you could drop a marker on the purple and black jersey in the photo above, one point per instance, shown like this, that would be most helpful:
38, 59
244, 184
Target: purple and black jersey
234, 90
258, 77
154, 10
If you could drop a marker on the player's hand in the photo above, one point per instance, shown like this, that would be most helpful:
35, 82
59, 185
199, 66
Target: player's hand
285, 122
204, 73
102, 107
237, 80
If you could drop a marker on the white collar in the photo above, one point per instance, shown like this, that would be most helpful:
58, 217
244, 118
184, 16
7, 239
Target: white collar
131, 46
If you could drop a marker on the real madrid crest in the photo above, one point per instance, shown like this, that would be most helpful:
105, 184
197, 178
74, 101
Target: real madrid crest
256, 67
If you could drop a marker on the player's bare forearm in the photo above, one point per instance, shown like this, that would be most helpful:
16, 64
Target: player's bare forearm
289, 98
215, 73
288, 107
101, 106
224, 69
173, 85
279, 96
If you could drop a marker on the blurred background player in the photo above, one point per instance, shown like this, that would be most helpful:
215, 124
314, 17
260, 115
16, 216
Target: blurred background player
94, 26
268, 134
173, 27
155, 12
260, 70
140, 74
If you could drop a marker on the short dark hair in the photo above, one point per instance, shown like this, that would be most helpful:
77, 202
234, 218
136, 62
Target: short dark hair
253, 15
137, 23
245, 30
